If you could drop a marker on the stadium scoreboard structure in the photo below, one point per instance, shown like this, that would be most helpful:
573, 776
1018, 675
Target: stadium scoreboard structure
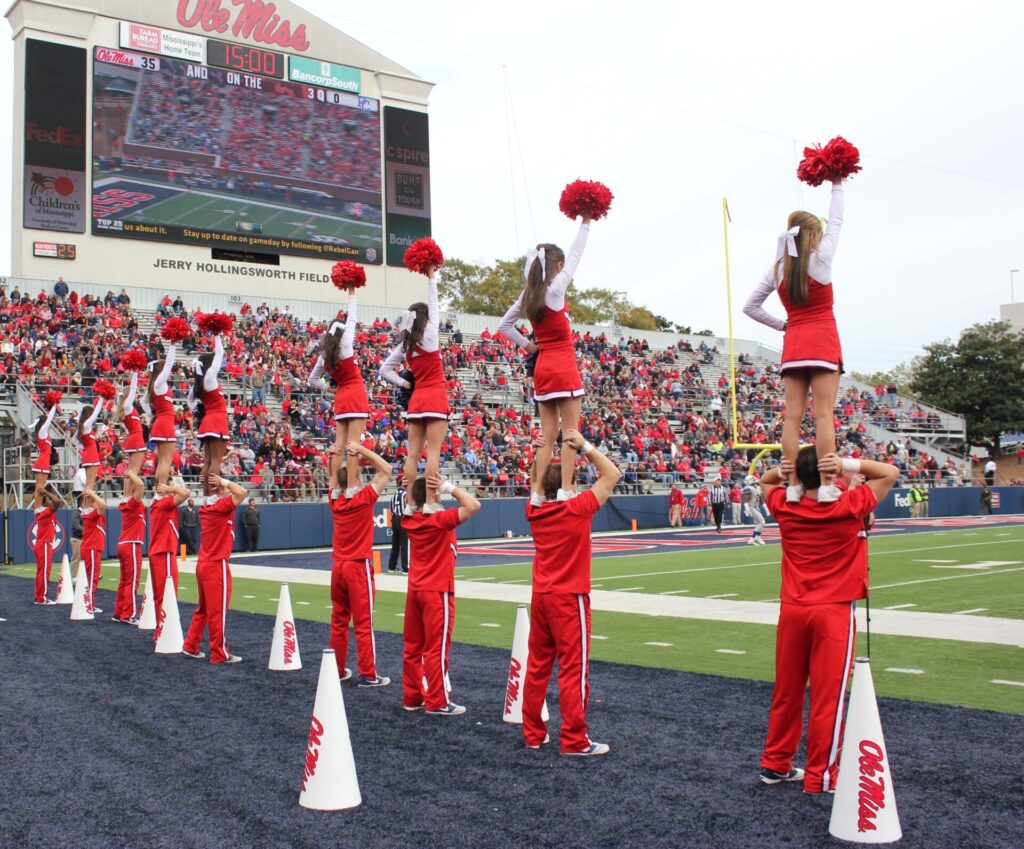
233, 146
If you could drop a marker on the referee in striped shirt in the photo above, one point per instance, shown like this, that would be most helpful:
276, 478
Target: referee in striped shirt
399, 547
718, 497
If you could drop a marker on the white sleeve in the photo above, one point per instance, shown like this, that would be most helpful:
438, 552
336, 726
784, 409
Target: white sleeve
91, 421
44, 431
389, 368
160, 384
752, 307
133, 390
822, 257
316, 380
210, 376
349, 333
144, 403
555, 297
508, 324
431, 339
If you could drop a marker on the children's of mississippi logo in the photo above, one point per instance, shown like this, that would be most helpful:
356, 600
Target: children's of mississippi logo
61, 185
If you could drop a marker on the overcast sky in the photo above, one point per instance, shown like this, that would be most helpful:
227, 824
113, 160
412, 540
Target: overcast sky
676, 105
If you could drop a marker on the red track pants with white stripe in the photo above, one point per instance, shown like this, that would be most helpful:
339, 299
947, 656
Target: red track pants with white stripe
559, 628
44, 563
160, 566
214, 580
92, 558
814, 641
429, 619
352, 594
130, 556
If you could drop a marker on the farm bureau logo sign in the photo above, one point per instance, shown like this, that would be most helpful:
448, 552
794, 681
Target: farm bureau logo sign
253, 19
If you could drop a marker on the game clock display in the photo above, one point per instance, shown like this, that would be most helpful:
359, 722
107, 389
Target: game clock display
245, 59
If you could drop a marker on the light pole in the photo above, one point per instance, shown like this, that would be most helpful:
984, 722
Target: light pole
615, 314
1012, 272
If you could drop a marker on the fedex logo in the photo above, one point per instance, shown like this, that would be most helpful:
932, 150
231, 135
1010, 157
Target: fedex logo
57, 135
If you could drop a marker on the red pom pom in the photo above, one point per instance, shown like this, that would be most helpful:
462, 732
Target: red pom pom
837, 160
348, 275
422, 253
216, 322
175, 330
52, 398
133, 361
585, 197
105, 389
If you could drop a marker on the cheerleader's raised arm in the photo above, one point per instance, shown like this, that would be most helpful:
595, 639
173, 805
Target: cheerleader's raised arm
431, 333
90, 422
210, 381
160, 384
133, 390
44, 431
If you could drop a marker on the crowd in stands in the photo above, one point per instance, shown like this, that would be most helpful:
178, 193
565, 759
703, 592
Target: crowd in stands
661, 414
266, 131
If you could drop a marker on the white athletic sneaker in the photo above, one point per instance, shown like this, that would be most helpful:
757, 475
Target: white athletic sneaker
195, 655
544, 742
233, 658
759, 541
794, 492
345, 675
451, 709
593, 750
752, 541
828, 494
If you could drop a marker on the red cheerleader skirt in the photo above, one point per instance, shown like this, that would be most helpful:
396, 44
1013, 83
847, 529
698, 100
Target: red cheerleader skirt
556, 374
134, 443
215, 426
90, 454
42, 464
351, 401
162, 429
812, 338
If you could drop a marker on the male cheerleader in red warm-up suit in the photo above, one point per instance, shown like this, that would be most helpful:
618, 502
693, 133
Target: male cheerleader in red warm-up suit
430, 602
45, 503
163, 543
824, 572
213, 571
94, 541
352, 588
560, 605
129, 550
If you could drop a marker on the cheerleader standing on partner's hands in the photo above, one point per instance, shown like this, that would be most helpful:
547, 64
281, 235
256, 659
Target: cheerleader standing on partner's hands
812, 358
557, 387
427, 415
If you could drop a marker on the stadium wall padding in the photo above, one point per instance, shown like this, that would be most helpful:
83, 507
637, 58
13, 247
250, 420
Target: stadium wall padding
289, 526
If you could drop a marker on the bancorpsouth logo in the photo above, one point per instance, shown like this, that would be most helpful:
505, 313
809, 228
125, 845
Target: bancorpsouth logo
290, 644
871, 797
316, 736
514, 681
254, 19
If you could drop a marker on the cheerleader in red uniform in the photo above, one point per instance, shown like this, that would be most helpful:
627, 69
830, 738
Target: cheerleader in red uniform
89, 455
128, 413
44, 444
159, 396
427, 416
351, 404
812, 358
557, 387
213, 427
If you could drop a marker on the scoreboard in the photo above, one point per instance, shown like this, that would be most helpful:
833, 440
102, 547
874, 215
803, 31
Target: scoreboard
195, 134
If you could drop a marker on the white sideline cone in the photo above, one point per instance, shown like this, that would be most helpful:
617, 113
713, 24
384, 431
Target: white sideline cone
65, 587
79, 608
864, 808
284, 650
517, 670
169, 639
147, 615
329, 781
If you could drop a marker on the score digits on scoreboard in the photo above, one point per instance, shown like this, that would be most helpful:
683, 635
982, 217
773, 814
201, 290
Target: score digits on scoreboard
246, 59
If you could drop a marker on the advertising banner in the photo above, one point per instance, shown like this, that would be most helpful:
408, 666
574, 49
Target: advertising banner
407, 179
324, 74
55, 129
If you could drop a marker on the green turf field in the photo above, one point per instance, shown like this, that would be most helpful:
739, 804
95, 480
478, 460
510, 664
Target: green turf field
946, 671
205, 210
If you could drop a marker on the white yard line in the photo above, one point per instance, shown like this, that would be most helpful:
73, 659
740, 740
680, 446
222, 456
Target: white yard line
946, 578
723, 595
972, 610
660, 645
898, 606
729, 651
1009, 683
905, 671
899, 623
673, 592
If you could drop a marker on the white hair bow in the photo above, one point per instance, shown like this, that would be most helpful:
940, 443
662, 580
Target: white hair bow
787, 243
407, 321
197, 366
336, 327
531, 255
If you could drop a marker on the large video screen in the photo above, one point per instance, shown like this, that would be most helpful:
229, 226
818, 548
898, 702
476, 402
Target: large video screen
197, 155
